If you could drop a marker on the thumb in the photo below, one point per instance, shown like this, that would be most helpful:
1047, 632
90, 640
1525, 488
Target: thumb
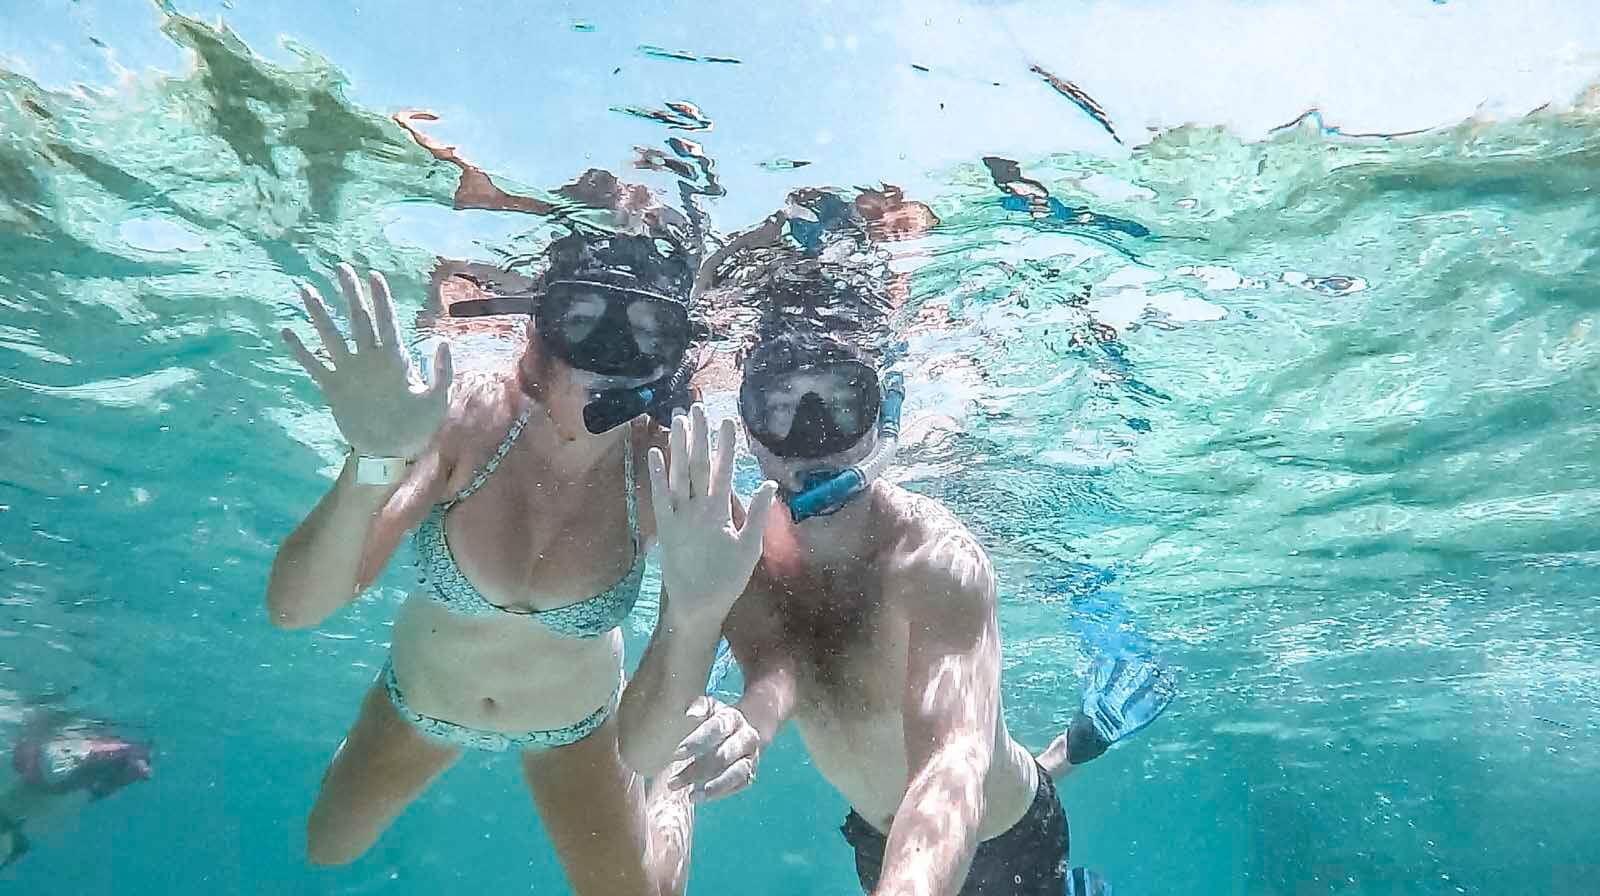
442, 372
755, 521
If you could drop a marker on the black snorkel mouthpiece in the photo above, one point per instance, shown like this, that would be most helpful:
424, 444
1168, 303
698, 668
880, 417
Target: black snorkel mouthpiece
610, 408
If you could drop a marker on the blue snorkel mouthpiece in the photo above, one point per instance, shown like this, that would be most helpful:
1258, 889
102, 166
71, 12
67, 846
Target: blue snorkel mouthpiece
826, 491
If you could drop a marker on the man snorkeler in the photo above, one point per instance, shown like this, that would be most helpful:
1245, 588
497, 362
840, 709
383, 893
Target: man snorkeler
867, 615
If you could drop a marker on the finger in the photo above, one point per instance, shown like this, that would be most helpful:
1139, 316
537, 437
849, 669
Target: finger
360, 320
722, 463
741, 741
699, 451
738, 776
707, 735
660, 497
696, 773
708, 767
755, 519
383, 310
323, 321
678, 459
441, 374
715, 762
310, 362
703, 708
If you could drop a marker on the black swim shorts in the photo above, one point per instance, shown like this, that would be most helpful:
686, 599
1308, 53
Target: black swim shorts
1030, 859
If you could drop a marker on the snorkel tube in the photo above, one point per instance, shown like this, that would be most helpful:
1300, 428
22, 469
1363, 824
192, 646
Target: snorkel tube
610, 408
828, 491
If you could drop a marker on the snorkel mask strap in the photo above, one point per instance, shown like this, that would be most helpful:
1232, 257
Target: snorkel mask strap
498, 305
828, 493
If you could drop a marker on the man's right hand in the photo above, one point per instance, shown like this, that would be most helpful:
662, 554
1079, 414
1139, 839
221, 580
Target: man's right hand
719, 757
377, 398
706, 560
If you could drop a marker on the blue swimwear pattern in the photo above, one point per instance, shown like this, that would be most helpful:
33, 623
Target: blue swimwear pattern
588, 618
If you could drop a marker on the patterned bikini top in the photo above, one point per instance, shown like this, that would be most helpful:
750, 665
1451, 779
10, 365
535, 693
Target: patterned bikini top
588, 618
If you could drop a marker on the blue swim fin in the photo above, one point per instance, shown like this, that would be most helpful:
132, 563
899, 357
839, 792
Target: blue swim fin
1123, 695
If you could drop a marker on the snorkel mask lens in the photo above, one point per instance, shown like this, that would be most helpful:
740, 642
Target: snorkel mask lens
612, 331
812, 411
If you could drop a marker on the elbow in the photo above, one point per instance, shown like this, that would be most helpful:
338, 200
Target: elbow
288, 608
289, 615
294, 600
957, 772
633, 757
638, 753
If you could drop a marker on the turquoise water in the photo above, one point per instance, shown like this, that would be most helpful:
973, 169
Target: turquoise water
1339, 463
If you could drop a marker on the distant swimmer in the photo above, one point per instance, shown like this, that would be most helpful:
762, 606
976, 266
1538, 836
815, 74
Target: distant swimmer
62, 764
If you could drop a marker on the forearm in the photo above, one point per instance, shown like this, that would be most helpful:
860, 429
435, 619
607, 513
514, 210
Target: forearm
317, 570
766, 702
935, 830
652, 718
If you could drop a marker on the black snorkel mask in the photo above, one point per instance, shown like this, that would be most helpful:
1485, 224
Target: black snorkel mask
811, 411
607, 308
785, 409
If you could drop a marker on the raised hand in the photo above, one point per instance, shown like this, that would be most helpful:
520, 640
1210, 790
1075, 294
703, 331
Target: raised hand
706, 560
375, 393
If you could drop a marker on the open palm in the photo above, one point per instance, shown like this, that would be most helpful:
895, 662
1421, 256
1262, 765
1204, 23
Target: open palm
376, 396
706, 560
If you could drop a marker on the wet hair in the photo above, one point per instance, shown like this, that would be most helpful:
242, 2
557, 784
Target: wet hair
652, 264
820, 312
793, 350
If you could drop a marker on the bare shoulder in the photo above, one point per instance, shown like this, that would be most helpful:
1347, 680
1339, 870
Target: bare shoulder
483, 406
938, 560
482, 402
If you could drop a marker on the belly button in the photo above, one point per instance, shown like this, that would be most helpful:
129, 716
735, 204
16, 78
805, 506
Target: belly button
488, 704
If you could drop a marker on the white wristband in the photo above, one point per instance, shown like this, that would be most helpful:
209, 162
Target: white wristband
380, 470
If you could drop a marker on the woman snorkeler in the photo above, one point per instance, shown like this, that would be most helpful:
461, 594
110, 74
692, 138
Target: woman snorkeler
531, 528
